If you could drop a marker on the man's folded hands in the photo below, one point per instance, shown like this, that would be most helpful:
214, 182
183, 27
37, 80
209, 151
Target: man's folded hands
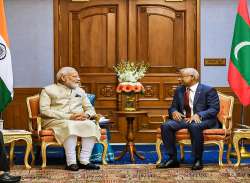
177, 116
79, 116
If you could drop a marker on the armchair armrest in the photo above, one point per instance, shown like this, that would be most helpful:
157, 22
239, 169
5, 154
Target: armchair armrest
227, 123
164, 117
38, 121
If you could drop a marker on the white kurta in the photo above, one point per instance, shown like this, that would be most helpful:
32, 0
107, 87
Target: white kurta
58, 103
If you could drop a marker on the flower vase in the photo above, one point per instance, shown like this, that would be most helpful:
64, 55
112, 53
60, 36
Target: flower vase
130, 102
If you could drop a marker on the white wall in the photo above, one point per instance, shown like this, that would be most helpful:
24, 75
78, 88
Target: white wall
217, 26
30, 27
30, 24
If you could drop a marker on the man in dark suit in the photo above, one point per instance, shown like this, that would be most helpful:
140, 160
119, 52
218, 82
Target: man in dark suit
4, 165
195, 106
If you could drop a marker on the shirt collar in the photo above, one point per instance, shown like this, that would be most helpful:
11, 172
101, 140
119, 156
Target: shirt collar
193, 88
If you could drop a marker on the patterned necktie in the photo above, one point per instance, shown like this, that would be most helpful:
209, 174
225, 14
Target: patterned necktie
186, 103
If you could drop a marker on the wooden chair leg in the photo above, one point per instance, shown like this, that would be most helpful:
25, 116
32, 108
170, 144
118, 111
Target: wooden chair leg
158, 150
44, 155
104, 154
228, 153
182, 151
12, 146
33, 156
78, 150
221, 149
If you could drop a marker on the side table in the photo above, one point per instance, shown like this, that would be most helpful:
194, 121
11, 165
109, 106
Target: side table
10, 136
238, 135
130, 146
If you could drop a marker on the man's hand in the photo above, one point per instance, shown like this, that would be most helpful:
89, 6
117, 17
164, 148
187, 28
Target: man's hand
196, 118
177, 116
79, 116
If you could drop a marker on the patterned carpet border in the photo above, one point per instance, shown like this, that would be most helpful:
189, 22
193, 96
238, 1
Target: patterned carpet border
135, 173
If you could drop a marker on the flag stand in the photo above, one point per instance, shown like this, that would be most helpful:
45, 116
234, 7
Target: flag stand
243, 152
1, 120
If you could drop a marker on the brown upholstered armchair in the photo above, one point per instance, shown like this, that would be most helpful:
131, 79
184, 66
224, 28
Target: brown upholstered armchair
211, 136
46, 138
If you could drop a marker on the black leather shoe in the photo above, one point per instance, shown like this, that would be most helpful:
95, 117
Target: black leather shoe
89, 166
73, 167
197, 165
6, 177
172, 163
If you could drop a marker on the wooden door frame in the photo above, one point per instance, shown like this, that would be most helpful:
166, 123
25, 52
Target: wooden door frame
56, 35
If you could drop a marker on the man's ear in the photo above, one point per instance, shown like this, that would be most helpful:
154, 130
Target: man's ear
63, 79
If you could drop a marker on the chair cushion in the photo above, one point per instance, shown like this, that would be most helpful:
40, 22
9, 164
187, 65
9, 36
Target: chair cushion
52, 138
209, 134
207, 131
91, 98
206, 137
51, 132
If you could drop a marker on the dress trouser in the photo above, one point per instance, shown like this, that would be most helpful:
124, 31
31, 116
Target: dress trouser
70, 149
4, 163
169, 128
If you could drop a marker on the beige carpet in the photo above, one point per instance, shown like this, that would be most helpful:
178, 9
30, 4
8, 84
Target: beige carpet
135, 173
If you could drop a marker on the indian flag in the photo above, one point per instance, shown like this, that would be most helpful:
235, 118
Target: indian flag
6, 75
239, 66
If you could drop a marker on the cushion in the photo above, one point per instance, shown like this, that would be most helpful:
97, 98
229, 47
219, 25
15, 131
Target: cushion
225, 105
52, 138
209, 134
91, 98
51, 133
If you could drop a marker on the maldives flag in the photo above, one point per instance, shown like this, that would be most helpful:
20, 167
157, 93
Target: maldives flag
239, 66
6, 75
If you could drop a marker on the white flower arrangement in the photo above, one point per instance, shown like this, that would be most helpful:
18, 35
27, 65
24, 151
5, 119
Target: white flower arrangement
130, 72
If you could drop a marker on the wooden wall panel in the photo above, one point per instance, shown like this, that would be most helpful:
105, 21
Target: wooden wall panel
16, 114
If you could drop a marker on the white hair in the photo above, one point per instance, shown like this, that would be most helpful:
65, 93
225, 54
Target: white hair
64, 71
190, 71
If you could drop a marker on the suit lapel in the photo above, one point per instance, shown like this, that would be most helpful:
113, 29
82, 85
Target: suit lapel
182, 97
197, 94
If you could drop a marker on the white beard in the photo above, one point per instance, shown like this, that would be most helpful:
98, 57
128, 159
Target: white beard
72, 85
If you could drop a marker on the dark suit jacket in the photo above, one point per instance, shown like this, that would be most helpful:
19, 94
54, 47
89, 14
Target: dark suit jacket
206, 103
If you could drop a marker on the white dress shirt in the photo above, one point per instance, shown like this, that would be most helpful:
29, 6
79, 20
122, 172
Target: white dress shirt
192, 89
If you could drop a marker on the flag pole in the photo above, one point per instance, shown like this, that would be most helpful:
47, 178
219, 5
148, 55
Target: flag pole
1, 120
243, 152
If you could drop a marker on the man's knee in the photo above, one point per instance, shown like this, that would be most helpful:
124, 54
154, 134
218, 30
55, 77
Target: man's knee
165, 127
194, 127
168, 125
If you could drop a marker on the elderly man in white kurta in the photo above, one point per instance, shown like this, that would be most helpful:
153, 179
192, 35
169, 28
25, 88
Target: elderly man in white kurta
66, 109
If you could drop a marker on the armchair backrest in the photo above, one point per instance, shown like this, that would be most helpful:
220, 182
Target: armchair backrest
33, 111
226, 110
33, 106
